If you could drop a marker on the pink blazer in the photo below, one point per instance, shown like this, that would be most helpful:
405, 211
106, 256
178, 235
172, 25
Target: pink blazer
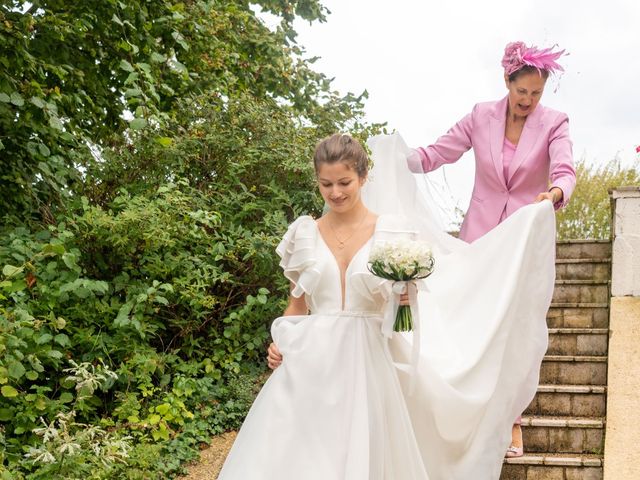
543, 159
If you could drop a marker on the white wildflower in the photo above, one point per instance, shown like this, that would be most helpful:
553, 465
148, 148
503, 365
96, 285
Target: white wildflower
69, 448
40, 455
88, 378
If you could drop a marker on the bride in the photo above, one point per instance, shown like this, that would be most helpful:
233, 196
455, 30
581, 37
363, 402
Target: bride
344, 403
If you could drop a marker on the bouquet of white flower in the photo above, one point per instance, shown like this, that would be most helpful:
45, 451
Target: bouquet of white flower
404, 261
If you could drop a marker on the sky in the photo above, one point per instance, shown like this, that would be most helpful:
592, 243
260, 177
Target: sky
426, 63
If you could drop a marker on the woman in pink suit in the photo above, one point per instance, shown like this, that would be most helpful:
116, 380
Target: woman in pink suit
522, 151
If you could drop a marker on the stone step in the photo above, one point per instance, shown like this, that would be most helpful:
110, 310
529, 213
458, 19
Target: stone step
573, 370
544, 466
580, 291
578, 249
569, 400
563, 434
578, 341
583, 269
577, 315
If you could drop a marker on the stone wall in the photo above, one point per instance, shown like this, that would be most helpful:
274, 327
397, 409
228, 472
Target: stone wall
622, 439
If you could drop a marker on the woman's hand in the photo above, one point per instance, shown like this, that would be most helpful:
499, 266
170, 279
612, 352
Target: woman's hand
274, 357
404, 299
554, 195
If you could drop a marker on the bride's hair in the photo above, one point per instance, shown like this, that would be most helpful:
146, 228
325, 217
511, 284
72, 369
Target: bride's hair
341, 147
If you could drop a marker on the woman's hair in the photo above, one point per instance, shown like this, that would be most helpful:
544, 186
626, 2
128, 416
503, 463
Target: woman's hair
342, 148
528, 69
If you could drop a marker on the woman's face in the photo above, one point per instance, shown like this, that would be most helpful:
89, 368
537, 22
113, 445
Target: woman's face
339, 185
525, 93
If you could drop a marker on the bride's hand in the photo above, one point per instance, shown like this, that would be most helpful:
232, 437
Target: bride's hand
404, 299
274, 357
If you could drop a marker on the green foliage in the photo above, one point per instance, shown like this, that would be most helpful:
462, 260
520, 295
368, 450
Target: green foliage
171, 294
250, 154
588, 214
153, 154
74, 450
69, 70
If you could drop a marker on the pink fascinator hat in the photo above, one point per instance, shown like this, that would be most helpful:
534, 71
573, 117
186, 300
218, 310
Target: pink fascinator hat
518, 55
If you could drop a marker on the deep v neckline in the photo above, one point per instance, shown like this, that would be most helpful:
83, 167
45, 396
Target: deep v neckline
343, 278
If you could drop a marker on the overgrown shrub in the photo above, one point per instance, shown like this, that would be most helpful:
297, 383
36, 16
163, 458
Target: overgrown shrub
169, 290
588, 214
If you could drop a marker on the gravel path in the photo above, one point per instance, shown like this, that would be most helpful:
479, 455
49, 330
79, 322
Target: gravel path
211, 458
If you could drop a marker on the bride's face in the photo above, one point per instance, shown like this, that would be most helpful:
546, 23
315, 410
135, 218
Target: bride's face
339, 185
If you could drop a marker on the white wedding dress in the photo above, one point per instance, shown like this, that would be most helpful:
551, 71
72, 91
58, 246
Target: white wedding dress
341, 406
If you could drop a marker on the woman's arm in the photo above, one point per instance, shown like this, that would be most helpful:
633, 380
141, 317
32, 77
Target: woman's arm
562, 174
296, 306
447, 149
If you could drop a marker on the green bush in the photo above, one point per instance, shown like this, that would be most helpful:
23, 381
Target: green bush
588, 214
139, 277
166, 291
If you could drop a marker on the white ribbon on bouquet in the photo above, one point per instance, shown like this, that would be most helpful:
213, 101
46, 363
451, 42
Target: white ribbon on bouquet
410, 287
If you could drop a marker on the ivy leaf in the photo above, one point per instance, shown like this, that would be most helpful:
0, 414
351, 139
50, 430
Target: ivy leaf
31, 375
177, 36
132, 92
138, 123
126, 66
161, 300
44, 150
10, 270
17, 286
62, 340
162, 409
158, 58
16, 369
54, 122
57, 248
133, 76
82, 292
153, 419
66, 397
123, 315
38, 102
55, 354
44, 338
8, 391
70, 261
17, 99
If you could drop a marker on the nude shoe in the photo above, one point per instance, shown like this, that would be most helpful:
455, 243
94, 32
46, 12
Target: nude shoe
513, 452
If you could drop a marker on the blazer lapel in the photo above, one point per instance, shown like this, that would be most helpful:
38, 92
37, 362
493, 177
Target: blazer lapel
528, 138
497, 125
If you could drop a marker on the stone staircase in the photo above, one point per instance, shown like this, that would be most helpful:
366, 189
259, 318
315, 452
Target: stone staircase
563, 427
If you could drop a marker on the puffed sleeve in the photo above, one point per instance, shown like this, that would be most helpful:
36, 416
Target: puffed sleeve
297, 252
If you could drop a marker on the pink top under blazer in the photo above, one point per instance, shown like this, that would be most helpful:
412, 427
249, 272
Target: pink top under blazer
543, 159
